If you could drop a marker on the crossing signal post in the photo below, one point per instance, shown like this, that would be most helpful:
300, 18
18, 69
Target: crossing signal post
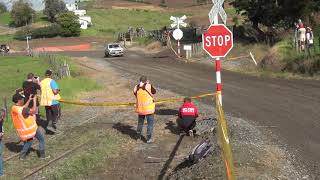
177, 33
217, 42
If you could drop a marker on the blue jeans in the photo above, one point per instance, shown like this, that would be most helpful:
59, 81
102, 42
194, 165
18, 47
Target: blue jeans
150, 121
1, 158
28, 143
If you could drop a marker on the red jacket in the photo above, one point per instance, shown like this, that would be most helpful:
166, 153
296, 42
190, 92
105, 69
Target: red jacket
188, 109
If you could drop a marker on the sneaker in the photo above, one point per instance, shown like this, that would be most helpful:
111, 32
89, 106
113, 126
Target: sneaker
138, 137
52, 129
149, 141
191, 133
23, 157
43, 155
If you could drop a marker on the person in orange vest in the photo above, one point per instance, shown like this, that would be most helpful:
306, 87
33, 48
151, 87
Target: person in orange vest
50, 99
145, 106
24, 121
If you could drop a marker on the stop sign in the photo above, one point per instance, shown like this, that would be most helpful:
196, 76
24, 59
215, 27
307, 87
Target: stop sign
217, 41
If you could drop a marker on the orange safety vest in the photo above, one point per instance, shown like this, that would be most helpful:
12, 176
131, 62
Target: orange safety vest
145, 104
47, 95
26, 127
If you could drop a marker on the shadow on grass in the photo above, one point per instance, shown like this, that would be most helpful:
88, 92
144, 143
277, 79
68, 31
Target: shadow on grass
168, 112
171, 157
127, 130
174, 129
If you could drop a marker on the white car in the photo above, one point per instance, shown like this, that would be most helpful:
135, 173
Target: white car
113, 49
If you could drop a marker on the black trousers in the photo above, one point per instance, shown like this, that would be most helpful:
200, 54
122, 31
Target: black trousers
186, 123
53, 114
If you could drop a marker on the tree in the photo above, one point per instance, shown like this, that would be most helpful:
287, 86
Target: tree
3, 8
22, 13
69, 23
54, 8
276, 12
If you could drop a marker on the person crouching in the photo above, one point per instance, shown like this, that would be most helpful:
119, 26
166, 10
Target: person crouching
188, 114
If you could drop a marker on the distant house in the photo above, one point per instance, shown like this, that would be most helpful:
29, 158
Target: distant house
80, 12
71, 5
85, 22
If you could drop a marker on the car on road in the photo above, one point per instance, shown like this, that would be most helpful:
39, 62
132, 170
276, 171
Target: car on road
113, 49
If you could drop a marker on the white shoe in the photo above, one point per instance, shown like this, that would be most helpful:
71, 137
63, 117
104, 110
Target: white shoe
191, 133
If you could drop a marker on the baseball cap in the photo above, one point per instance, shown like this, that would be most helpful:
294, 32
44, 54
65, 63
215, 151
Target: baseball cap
16, 97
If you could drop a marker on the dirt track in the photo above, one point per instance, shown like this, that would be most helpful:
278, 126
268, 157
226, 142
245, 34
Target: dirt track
288, 107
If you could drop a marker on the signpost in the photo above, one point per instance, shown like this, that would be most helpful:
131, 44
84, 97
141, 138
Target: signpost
28, 47
217, 42
177, 33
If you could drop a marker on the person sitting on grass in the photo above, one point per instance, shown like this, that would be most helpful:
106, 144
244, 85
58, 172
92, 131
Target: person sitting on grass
188, 114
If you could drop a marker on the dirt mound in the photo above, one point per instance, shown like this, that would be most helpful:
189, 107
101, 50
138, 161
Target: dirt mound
154, 46
272, 61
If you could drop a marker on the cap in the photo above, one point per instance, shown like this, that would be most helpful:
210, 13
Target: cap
48, 72
16, 97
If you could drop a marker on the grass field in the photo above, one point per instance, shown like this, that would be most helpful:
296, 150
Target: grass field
111, 21
5, 18
14, 70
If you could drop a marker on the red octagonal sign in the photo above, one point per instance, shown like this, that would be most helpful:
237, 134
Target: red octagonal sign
217, 41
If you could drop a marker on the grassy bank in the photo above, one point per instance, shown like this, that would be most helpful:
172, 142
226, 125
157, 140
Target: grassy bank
5, 18
111, 21
15, 69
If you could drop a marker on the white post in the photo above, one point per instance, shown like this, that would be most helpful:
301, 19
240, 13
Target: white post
179, 49
28, 48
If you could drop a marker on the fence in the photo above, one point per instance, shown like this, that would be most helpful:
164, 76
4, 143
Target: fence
225, 142
57, 63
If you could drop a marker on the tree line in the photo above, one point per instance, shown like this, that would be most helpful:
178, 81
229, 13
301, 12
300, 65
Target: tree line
64, 23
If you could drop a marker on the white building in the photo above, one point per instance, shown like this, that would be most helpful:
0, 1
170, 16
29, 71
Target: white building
80, 12
85, 22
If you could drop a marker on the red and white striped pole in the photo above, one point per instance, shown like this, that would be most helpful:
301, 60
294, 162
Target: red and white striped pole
179, 51
218, 78
218, 69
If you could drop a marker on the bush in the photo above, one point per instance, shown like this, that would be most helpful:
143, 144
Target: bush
69, 23
22, 13
3, 8
45, 32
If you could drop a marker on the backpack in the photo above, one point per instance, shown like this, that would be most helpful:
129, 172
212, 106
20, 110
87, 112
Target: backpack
200, 151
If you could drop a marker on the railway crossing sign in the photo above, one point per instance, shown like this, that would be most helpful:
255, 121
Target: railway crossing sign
217, 41
178, 21
217, 9
177, 34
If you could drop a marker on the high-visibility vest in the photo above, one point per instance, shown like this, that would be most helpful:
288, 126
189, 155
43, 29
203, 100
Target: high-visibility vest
145, 104
26, 127
47, 95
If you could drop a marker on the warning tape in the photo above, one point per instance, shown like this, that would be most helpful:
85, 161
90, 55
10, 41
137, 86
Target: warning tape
225, 142
132, 104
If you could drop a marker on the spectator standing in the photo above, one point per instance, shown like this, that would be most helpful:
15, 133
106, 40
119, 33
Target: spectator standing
3, 115
50, 100
145, 106
31, 87
310, 40
188, 114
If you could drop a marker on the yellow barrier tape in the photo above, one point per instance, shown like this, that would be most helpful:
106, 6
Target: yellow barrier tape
131, 104
225, 143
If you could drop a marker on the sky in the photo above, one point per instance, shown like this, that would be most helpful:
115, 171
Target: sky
37, 5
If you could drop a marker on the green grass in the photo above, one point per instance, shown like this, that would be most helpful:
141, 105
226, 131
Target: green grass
5, 18
6, 38
111, 21
14, 70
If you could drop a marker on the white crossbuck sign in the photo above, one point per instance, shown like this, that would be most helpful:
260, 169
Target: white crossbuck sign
217, 9
178, 21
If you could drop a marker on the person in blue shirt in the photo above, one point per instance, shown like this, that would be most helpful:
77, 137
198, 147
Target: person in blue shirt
50, 99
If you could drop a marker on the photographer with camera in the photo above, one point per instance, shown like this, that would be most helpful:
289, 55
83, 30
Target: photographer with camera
31, 87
